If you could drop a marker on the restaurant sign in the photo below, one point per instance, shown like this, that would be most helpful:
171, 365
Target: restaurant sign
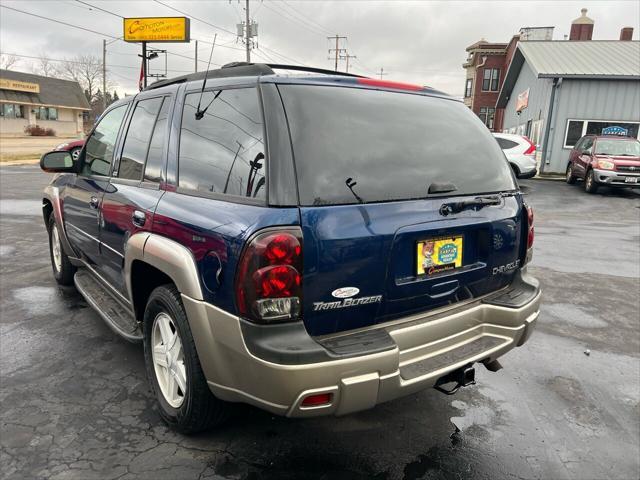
7, 84
157, 29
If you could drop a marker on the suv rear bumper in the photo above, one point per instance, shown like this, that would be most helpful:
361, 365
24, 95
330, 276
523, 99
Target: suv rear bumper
423, 349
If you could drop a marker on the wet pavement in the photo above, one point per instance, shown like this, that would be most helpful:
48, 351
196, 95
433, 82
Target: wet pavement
74, 400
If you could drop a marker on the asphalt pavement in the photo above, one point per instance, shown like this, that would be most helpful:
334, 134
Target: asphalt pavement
75, 402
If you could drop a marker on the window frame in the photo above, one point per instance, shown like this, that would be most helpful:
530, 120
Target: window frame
468, 88
585, 126
122, 135
492, 71
81, 160
227, 197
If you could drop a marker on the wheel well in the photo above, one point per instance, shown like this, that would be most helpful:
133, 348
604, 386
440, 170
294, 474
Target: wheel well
47, 209
144, 279
515, 168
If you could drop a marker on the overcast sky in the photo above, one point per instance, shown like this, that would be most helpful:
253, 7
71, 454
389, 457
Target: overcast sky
415, 41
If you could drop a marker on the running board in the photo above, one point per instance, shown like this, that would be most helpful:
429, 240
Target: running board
118, 317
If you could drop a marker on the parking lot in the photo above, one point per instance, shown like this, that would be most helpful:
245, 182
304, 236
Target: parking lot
75, 402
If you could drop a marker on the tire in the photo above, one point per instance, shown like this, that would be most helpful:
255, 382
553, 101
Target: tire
590, 184
186, 403
75, 153
63, 271
516, 170
570, 177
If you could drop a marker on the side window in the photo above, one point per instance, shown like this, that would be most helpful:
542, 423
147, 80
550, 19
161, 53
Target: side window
223, 152
153, 168
506, 144
136, 143
586, 145
101, 143
578, 145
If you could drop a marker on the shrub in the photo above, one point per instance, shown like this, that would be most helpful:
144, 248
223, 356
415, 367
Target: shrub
38, 131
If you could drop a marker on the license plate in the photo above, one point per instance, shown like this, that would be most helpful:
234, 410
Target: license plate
437, 255
631, 180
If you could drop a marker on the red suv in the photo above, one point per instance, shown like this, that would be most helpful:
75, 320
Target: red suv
605, 160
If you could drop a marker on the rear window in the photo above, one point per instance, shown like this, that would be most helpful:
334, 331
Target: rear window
506, 144
356, 145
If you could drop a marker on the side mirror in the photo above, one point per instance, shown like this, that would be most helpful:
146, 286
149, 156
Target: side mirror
57, 161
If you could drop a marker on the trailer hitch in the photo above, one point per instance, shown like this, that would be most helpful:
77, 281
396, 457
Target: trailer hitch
462, 377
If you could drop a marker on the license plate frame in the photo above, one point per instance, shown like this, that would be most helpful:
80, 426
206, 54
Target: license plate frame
441, 260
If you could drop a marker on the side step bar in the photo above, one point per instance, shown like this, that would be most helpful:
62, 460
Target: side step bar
117, 316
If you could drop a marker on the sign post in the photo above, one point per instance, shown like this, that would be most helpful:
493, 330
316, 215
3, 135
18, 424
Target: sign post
155, 30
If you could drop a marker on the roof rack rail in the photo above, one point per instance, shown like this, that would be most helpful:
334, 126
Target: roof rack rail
244, 69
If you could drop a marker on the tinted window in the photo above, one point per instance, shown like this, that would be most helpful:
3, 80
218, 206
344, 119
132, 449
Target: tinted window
136, 142
394, 145
155, 158
574, 132
223, 152
101, 143
506, 144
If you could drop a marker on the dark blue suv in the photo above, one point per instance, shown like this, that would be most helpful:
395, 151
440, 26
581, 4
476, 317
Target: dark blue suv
310, 244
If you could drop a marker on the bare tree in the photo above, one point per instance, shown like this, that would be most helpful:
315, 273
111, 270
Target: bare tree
7, 61
86, 70
43, 66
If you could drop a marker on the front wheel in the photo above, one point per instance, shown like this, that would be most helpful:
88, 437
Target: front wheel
173, 368
590, 185
570, 177
63, 270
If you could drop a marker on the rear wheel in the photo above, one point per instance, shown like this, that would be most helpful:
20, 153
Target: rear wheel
63, 271
185, 401
590, 185
570, 177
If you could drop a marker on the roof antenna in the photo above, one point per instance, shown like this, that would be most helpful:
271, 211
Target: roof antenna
200, 114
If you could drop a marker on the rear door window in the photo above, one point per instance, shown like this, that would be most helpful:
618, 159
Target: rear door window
223, 152
355, 145
136, 143
155, 157
506, 144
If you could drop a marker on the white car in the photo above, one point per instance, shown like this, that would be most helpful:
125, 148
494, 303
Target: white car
520, 152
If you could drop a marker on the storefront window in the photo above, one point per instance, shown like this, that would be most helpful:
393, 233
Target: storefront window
578, 128
52, 113
47, 113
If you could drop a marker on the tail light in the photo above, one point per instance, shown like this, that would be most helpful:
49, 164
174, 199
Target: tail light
530, 233
532, 148
269, 280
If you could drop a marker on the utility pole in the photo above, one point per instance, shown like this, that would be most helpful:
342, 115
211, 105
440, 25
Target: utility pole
196, 63
382, 72
247, 32
338, 51
346, 57
104, 74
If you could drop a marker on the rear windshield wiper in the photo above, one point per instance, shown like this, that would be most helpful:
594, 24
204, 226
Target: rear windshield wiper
473, 204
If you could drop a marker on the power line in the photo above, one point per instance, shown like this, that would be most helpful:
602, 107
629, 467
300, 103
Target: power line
295, 21
307, 19
195, 18
60, 22
101, 9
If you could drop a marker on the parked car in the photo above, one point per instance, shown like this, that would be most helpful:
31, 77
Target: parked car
308, 244
609, 160
73, 148
520, 152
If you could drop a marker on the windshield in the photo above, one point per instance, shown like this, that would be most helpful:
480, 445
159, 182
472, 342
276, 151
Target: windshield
620, 148
355, 145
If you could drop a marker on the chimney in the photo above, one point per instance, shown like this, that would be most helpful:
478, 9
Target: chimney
581, 27
626, 34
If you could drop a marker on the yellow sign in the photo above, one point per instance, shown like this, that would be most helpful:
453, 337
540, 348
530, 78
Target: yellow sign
439, 254
156, 29
6, 84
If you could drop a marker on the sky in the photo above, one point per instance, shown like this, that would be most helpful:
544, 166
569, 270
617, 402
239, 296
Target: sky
420, 42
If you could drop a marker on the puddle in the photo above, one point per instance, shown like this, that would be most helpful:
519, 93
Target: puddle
21, 207
574, 315
40, 300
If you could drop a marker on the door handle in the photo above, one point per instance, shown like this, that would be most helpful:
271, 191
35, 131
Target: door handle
138, 218
94, 202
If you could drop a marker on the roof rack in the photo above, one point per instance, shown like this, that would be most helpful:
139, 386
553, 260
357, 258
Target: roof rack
243, 69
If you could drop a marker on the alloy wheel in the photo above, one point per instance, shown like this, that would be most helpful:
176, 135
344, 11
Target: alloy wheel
168, 360
56, 249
